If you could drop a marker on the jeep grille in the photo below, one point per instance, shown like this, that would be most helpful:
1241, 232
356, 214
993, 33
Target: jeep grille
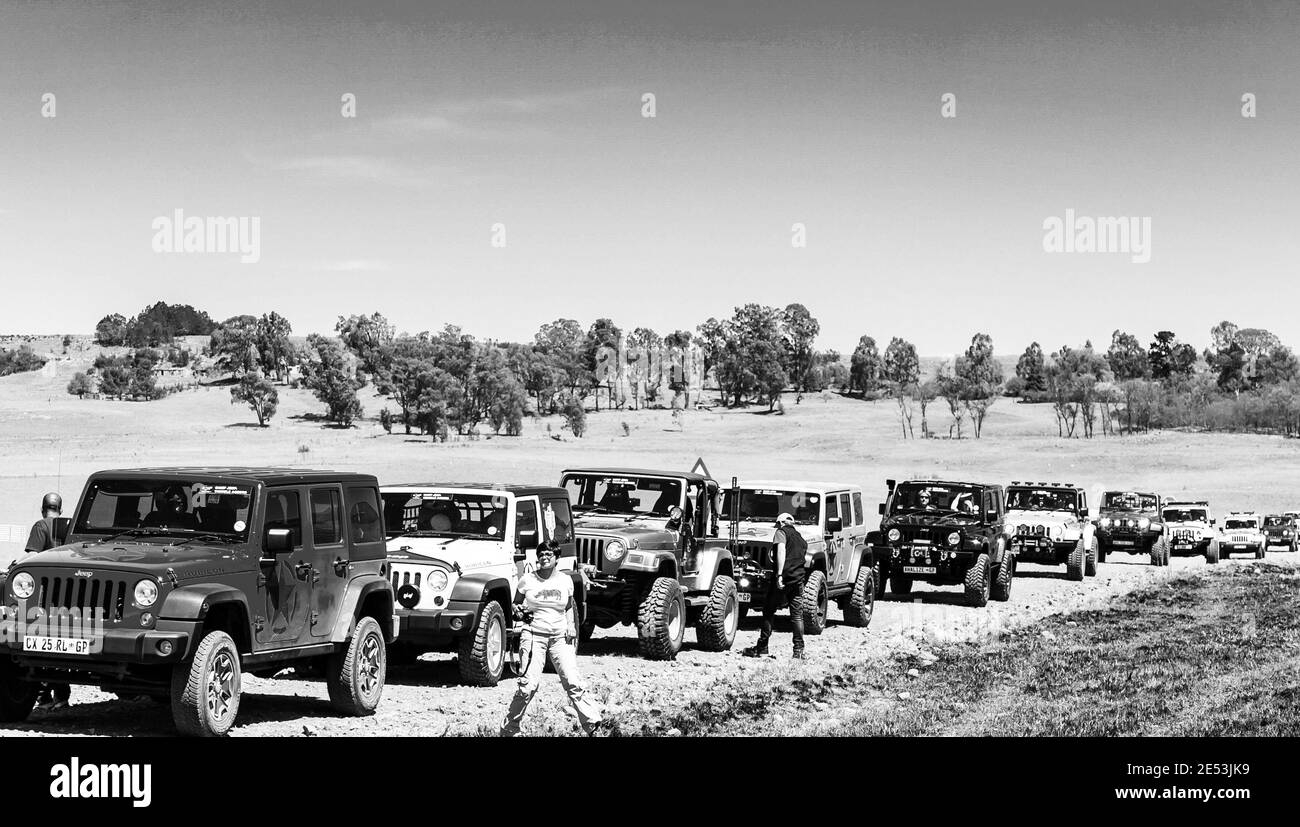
1036, 530
758, 553
1184, 534
59, 595
402, 578
590, 550
1239, 538
913, 533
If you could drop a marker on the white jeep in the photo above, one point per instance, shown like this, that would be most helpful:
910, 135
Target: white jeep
456, 552
1243, 531
1191, 529
1048, 523
830, 518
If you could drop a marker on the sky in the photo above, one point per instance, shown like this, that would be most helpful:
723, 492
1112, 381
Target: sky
767, 115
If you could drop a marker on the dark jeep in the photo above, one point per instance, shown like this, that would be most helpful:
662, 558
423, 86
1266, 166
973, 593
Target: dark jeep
1048, 523
174, 581
1130, 521
648, 542
1281, 530
946, 533
456, 552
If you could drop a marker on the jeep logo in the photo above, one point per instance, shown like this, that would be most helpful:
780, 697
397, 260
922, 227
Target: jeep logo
80, 573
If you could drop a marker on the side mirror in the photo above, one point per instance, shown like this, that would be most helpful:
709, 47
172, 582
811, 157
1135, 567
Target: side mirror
1211, 521
1084, 513
880, 509
62, 527
834, 525
675, 515
278, 540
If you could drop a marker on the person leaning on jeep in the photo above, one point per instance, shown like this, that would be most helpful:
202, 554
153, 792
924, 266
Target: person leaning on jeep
788, 582
53, 695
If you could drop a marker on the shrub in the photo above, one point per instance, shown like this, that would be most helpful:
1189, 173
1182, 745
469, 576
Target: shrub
257, 392
575, 416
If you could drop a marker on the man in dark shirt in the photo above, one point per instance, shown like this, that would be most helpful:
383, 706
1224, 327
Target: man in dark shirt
53, 695
786, 583
171, 511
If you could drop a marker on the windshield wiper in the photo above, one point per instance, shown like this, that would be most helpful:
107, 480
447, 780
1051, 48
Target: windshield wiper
211, 538
136, 532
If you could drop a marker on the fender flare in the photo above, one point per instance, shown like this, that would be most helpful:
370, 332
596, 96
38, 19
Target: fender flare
194, 602
358, 591
470, 588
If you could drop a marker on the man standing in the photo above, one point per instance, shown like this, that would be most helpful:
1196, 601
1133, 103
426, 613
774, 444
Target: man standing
53, 695
787, 582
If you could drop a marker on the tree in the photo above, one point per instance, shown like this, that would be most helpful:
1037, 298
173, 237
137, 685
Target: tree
1029, 370
924, 393
1170, 359
509, 402
951, 387
80, 384
440, 405
1126, 357
798, 330
979, 376
864, 370
257, 392
575, 418
900, 364
561, 343
234, 344
366, 336
331, 374
272, 342
644, 360
111, 330
600, 350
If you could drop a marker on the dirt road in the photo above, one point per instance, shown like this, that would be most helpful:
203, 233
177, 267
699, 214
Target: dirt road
425, 700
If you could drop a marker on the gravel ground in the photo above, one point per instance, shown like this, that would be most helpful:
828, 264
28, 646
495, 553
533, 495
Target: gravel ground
424, 699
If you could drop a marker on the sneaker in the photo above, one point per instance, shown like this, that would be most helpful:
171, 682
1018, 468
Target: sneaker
754, 652
798, 654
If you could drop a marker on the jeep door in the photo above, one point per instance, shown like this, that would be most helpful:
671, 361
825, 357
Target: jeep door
328, 544
841, 565
527, 537
284, 577
557, 522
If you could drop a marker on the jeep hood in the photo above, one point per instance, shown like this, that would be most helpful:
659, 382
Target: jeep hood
640, 529
154, 559
751, 532
449, 551
1044, 518
1122, 514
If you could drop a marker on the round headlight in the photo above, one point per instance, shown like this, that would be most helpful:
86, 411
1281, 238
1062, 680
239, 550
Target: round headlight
1105, 522
894, 535
954, 538
146, 593
24, 586
614, 551
1143, 524
437, 580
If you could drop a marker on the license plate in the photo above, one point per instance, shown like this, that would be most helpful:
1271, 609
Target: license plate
920, 570
56, 645
1181, 546
742, 597
1238, 548
1122, 542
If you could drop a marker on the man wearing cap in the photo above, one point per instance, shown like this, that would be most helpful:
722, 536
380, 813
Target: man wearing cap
53, 695
788, 582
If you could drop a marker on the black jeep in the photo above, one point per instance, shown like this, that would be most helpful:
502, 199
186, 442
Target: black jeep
946, 533
1130, 521
173, 581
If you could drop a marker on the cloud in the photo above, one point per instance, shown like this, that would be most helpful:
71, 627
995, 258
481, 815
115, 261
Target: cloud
364, 168
492, 118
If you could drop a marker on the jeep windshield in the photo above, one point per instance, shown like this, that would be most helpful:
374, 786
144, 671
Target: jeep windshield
1240, 525
762, 505
1185, 515
1277, 522
1041, 499
618, 494
115, 508
1128, 501
445, 514
936, 498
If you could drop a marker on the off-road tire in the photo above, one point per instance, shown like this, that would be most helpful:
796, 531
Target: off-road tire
720, 618
1001, 588
1212, 553
900, 584
1157, 557
814, 602
1091, 561
17, 696
1074, 564
357, 671
1165, 551
978, 583
205, 690
1101, 552
474, 651
656, 639
861, 603
880, 578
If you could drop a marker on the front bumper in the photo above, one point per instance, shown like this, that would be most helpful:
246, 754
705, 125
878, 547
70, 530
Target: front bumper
934, 565
114, 646
457, 620
1032, 548
1131, 542
1194, 545
1279, 540
1238, 548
